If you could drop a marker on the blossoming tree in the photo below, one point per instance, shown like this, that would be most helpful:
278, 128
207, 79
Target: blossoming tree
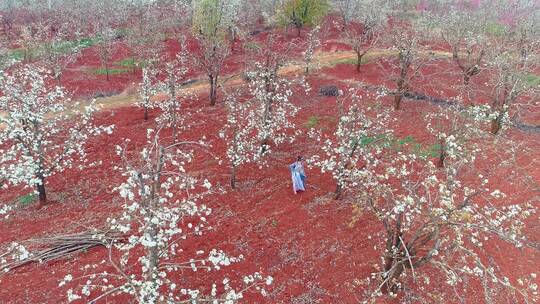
362, 123
272, 108
313, 42
238, 133
175, 72
346, 10
512, 86
406, 36
441, 218
41, 134
161, 209
212, 21
465, 31
147, 90
457, 129
365, 26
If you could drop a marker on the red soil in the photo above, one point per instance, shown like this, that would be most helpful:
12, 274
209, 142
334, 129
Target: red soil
304, 241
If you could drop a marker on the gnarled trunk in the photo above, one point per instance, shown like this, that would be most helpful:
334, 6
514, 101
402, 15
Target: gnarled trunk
393, 268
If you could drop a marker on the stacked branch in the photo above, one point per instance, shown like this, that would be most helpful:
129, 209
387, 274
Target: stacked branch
53, 248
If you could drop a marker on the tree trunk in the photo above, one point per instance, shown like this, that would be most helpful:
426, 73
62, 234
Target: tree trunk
264, 145
213, 90
496, 126
338, 192
173, 122
397, 101
393, 241
358, 61
298, 30
466, 79
390, 286
107, 71
233, 177
152, 253
41, 190
145, 113
442, 155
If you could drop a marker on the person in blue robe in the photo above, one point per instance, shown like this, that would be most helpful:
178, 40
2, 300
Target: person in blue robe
298, 175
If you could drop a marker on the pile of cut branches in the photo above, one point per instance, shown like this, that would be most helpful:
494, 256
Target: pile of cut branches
53, 248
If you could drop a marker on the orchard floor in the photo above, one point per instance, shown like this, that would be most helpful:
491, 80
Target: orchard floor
317, 249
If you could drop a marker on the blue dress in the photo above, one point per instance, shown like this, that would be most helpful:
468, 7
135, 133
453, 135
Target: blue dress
298, 176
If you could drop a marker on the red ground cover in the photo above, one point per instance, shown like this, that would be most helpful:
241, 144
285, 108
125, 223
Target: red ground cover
305, 241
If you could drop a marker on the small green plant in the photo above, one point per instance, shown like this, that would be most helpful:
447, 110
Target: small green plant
121, 32
26, 200
274, 223
312, 122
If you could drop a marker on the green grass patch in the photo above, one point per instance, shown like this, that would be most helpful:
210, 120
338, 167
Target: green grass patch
70, 45
496, 29
312, 122
407, 143
60, 47
127, 62
26, 200
130, 63
533, 80
17, 54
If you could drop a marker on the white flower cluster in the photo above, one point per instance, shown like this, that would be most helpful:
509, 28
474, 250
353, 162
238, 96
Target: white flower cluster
14, 252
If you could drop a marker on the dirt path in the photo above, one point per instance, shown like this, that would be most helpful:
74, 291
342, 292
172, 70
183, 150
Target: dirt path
322, 59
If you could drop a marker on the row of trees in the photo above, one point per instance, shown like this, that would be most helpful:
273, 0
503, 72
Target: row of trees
478, 36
